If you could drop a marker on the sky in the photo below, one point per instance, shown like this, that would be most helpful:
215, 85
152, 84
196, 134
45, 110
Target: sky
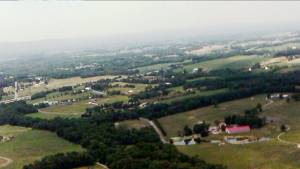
40, 20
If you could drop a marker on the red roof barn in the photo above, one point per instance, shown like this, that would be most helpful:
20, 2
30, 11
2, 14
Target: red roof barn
237, 129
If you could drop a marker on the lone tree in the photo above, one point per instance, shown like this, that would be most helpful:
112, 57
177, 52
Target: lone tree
259, 107
283, 128
187, 131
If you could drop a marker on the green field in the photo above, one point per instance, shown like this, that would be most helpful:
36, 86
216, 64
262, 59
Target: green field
235, 62
176, 122
139, 87
198, 93
30, 145
280, 47
57, 83
74, 109
255, 155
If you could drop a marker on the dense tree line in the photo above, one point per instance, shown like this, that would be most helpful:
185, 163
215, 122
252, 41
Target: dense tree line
42, 94
250, 118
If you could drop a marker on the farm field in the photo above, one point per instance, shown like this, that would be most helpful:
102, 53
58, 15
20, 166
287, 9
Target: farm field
154, 67
139, 87
256, 155
280, 47
74, 109
176, 122
57, 83
198, 93
30, 145
235, 62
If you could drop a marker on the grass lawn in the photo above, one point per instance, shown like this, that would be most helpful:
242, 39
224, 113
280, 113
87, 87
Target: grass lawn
235, 62
30, 145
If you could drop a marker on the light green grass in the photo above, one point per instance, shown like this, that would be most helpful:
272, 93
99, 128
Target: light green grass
57, 83
280, 47
198, 93
235, 62
30, 145
154, 67
139, 87
75, 109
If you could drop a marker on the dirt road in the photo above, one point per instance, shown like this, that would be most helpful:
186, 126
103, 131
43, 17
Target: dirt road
6, 163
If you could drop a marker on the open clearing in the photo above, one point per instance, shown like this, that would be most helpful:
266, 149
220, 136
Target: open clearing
173, 123
272, 154
75, 109
57, 83
235, 62
30, 145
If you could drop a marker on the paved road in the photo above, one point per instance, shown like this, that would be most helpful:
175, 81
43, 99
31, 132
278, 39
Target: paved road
157, 130
6, 163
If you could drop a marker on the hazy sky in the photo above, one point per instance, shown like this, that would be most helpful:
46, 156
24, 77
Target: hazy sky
28, 21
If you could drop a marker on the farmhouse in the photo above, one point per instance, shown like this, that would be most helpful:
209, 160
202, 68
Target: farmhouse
237, 129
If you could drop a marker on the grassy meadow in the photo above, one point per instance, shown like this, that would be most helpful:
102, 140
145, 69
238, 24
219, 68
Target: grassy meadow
234, 62
30, 145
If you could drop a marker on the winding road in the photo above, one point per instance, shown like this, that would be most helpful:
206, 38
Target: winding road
284, 141
157, 130
6, 163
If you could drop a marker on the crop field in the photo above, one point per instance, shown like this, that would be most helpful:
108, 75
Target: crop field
283, 154
29, 145
235, 62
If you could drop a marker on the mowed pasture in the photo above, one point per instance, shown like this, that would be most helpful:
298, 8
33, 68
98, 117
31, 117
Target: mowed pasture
273, 154
30, 145
234, 62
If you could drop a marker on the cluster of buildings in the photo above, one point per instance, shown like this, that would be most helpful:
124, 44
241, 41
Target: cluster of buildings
4, 139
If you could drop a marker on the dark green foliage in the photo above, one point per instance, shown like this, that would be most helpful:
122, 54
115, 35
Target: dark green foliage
187, 131
201, 129
62, 161
65, 88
